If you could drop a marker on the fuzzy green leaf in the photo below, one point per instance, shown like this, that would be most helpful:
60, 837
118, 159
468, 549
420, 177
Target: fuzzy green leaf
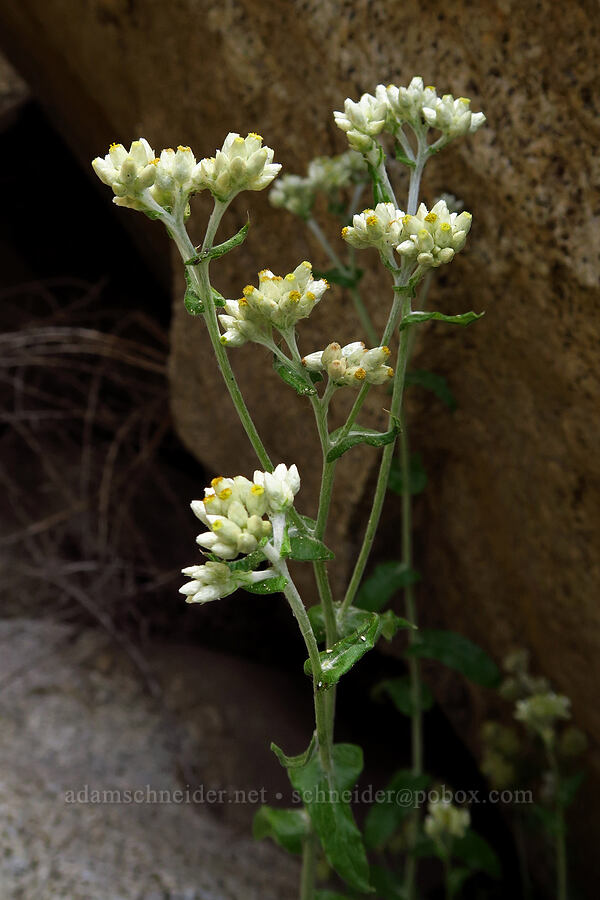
457, 652
415, 318
276, 584
307, 548
295, 762
220, 249
331, 815
402, 157
300, 381
191, 298
417, 476
359, 435
287, 827
399, 691
437, 384
380, 587
340, 658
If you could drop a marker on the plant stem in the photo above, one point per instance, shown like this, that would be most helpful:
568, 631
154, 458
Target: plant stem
560, 844
309, 867
324, 732
384, 470
200, 277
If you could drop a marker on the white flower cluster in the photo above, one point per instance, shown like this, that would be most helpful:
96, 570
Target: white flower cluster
362, 121
214, 580
351, 365
128, 174
405, 104
444, 820
242, 164
139, 180
380, 227
294, 193
326, 174
417, 105
278, 301
541, 712
430, 238
174, 179
234, 511
452, 117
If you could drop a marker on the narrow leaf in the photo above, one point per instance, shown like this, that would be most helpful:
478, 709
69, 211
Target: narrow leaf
287, 827
457, 652
191, 298
298, 380
340, 658
220, 249
417, 476
295, 762
402, 157
380, 587
331, 815
362, 436
400, 693
437, 384
415, 318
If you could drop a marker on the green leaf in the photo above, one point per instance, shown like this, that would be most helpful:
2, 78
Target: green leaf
387, 814
218, 299
274, 585
415, 318
359, 435
399, 692
476, 853
380, 194
380, 587
250, 562
437, 384
220, 249
191, 298
347, 278
387, 884
317, 620
340, 658
402, 157
327, 804
295, 762
300, 381
305, 547
457, 652
417, 476
390, 624
287, 827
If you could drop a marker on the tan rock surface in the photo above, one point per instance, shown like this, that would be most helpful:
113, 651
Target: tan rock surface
510, 545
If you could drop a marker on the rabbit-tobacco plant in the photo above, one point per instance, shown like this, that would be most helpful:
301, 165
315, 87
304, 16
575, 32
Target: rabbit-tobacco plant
252, 524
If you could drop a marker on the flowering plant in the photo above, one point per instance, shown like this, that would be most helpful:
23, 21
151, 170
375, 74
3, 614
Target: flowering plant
253, 527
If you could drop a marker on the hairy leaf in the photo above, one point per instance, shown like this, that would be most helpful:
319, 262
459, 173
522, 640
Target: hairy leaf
380, 587
415, 318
